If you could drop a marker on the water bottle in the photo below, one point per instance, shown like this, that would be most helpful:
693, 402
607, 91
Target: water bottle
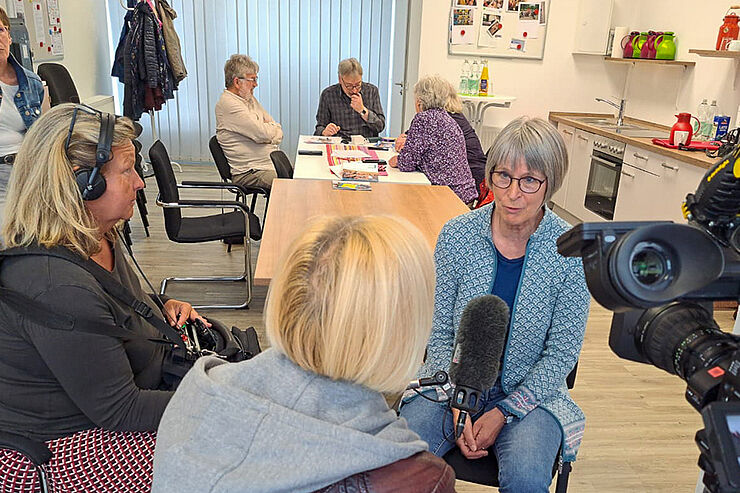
474, 78
702, 114
464, 85
712, 128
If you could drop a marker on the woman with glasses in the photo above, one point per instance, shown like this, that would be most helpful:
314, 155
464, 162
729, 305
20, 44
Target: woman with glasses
435, 144
94, 399
22, 94
508, 248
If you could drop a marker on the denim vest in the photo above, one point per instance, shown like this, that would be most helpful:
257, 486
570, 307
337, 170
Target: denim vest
30, 93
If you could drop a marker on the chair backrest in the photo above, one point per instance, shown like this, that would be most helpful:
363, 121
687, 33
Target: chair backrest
61, 86
167, 184
283, 167
220, 159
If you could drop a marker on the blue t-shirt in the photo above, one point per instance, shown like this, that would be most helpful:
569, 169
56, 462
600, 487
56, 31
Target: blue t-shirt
508, 272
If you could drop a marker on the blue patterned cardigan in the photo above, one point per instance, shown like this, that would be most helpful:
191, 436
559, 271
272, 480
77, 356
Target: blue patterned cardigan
547, 324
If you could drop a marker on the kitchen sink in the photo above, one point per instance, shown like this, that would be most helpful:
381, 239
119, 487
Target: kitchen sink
626, 129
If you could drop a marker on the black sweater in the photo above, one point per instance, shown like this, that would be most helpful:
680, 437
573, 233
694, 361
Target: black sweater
56, 382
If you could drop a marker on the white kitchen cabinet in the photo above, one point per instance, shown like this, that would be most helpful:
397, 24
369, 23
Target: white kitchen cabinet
593, 20
637, 194
676, 180
568, 133
580, 164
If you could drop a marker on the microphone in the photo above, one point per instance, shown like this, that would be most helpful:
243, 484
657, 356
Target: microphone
477, 356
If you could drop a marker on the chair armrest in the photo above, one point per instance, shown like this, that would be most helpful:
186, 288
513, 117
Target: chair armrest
37, 452
205, 204
245, 189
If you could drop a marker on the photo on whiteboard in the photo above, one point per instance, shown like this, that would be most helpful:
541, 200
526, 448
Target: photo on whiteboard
467, 3
543, 15
518, 45
462, 17
529, 11
493, 4
512, 5
495, 26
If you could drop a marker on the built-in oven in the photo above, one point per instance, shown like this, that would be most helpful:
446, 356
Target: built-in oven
603, 176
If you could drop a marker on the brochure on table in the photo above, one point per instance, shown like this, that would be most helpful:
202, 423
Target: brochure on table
498, 28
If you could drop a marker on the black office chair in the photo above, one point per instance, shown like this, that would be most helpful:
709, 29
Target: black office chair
61, 86
283, 168
485, 470
36, 452
240, 223
224, 170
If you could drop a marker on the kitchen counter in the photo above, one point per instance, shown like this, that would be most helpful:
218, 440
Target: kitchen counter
691, 157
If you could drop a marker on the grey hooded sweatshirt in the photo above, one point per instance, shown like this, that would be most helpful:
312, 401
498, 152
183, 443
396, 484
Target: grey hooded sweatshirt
268, 425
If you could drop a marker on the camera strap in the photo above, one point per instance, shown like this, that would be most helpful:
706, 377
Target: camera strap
110, 285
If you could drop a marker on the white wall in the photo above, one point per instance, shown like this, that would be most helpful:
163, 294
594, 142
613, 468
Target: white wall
86, 46
562, 81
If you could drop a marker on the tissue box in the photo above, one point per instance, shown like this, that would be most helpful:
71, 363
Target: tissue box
359, 171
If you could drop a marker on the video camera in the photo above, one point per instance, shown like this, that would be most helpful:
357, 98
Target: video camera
660, 279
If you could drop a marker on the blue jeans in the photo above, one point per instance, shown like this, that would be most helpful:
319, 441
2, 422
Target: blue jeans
525, 449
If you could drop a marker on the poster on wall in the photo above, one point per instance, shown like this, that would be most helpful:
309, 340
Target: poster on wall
463, 26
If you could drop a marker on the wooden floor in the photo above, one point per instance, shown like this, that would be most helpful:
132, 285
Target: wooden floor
639, 429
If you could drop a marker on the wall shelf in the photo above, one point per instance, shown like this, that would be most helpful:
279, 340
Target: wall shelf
650, 61
717, 53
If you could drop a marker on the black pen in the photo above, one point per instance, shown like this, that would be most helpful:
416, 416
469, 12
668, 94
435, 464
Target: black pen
372, 160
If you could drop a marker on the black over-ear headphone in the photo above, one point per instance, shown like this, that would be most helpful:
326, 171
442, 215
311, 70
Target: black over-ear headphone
91, 181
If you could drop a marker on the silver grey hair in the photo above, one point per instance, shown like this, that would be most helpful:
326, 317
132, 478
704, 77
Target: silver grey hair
432, 91
538, 143
454, 103
349, 66
238, 66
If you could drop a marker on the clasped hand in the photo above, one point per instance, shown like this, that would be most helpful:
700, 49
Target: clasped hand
178, 312
479, 436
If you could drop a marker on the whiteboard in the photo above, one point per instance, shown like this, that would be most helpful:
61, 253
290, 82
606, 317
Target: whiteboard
44, 24
498, 28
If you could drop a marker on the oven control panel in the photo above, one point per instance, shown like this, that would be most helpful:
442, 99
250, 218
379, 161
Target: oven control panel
609, 146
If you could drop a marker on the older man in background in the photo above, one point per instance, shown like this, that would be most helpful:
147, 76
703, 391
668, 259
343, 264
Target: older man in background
246, 132
351, 107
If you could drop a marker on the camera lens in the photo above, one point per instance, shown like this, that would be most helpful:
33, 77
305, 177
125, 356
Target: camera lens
650, 265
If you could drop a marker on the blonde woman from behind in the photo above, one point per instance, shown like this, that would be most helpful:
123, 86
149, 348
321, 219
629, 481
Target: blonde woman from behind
348, 318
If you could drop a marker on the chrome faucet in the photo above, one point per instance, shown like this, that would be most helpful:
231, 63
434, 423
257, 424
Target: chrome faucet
620, 107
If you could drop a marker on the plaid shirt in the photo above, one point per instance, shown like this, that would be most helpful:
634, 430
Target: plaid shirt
334, 107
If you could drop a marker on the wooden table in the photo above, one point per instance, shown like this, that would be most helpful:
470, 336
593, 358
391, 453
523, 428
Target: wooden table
317, 167
294, 202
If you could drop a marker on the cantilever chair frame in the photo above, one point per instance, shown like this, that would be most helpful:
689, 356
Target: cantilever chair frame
215, 204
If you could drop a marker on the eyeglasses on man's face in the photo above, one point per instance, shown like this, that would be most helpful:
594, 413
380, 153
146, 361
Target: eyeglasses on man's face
355, 87
527, 184
253, 80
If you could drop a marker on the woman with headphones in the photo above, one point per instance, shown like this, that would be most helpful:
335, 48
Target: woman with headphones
73, 183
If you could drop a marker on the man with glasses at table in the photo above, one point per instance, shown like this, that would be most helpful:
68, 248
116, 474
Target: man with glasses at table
351, 107
246, 132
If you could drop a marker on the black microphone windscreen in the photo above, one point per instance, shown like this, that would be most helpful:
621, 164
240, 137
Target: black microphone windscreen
480, 342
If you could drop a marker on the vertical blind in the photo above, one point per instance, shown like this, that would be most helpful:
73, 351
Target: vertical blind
297, 44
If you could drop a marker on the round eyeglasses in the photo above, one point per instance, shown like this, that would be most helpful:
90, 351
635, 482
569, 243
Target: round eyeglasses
527, 184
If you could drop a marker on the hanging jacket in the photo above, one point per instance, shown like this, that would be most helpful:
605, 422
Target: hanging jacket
167, 15
147, 75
